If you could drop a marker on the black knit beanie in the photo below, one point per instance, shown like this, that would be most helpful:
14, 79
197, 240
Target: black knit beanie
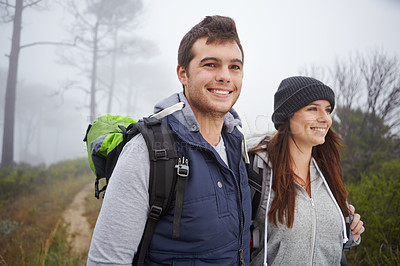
296, 92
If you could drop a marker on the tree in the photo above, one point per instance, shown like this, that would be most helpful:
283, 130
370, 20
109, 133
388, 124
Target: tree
121, 18
368, 102
13, 13
366, 142
10, 98
376, 76
97, 24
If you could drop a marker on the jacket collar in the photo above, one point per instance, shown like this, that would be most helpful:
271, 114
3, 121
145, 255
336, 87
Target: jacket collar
186, 116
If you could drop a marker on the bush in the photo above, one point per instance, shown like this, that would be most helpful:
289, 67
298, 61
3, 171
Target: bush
23, 178
7, 227
377, 200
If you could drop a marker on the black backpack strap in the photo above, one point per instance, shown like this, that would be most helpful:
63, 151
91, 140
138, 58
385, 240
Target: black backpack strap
255, 182
349, 243
182, 171
163, 156
347, 246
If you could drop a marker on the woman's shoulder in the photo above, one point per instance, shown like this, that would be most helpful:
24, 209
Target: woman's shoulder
257, 147
255, 140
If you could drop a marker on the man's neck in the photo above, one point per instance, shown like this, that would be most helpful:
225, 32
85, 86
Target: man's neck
210, 127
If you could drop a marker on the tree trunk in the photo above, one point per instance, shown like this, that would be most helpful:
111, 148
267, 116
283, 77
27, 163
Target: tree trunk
9, 110
94, 74
113, 67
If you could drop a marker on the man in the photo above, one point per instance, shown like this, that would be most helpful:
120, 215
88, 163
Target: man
215, 220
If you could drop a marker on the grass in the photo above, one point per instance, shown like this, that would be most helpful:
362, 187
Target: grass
92, 206
31, 227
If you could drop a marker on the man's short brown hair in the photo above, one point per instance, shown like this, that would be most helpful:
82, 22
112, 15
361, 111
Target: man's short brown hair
217, 29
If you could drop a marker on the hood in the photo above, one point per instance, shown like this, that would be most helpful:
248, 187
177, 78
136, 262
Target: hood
186, 116
253, 141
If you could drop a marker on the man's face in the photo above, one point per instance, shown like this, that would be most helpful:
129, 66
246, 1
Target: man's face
213, 80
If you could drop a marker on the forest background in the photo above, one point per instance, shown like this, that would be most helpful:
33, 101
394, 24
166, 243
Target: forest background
67, 62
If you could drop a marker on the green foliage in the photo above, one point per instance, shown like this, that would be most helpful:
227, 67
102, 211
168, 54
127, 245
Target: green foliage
377, 200
60, 251
69, 168
367, 143
23, 178
7, 227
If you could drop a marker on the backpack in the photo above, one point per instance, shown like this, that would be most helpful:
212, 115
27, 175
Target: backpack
106, 137
256, 187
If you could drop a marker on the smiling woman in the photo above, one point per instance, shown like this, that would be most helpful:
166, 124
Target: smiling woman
303, 213
310, 124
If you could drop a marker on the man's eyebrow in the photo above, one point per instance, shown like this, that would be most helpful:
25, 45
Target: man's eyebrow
237, 61
219, 60
210, 59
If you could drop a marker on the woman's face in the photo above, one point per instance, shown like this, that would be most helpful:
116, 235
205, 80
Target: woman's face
310, 124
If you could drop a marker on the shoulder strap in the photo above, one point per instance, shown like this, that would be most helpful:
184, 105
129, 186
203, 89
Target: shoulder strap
163, 157
349, 219
255, 182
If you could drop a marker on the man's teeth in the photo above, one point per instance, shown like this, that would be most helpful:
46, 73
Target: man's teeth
319, 129
220, 92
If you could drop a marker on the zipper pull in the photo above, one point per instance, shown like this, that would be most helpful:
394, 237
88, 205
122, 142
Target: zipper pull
312, 202
241, 257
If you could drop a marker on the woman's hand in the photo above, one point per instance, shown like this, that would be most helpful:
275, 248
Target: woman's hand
356, 226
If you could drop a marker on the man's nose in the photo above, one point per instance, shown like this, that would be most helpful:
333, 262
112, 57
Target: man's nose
223, 75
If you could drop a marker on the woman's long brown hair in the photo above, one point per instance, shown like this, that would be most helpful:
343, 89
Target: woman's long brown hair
327, 157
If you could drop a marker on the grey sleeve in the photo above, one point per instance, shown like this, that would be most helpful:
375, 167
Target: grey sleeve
125, 207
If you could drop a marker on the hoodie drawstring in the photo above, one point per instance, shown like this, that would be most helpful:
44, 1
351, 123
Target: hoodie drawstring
266, 220
345, 238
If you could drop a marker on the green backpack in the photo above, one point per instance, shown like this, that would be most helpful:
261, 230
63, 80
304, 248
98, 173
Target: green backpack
106, 137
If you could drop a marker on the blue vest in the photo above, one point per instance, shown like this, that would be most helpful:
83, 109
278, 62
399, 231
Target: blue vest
216, 214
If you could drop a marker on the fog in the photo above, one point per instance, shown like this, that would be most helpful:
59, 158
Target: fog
279, 39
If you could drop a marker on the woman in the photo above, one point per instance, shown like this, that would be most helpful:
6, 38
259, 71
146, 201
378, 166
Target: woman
302, 185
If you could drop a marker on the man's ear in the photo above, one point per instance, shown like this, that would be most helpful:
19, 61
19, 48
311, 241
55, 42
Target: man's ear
182, 75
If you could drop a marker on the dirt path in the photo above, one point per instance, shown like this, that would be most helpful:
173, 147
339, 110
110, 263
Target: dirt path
79, 232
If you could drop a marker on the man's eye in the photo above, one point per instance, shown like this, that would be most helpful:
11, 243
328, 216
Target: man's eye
236, 67
210, 64
328, 110
312, 109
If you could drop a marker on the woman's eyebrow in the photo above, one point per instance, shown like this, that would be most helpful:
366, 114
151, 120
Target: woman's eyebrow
316, 104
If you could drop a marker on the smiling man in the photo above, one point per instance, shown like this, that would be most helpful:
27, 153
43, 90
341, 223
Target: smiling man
215, 219
212, 83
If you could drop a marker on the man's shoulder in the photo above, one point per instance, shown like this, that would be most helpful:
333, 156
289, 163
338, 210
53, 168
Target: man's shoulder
169, 101
136, 146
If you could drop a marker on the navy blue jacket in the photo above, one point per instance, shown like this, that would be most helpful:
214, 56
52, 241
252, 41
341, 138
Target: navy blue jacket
216, 214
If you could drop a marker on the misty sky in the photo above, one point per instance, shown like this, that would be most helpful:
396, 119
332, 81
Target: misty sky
279, 39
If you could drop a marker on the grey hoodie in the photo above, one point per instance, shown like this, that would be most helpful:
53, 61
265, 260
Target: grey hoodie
318, 231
